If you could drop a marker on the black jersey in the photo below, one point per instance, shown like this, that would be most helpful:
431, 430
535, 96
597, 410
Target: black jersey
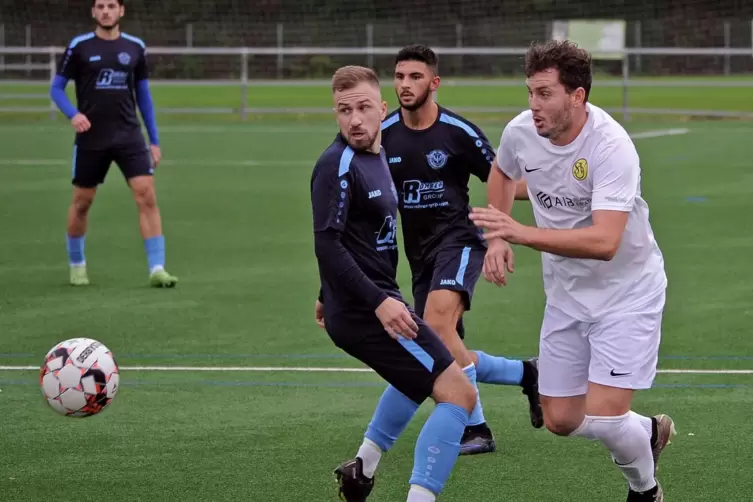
354, 204
105, 73
431, 169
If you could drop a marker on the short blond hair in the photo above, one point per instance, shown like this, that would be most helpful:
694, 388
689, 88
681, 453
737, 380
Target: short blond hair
350, 76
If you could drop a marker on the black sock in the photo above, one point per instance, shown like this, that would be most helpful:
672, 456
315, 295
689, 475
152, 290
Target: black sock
478, 429
529, 377
654, 431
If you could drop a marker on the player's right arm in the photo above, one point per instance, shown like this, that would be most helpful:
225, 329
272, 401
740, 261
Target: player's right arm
67, 70
502, 189
331, 195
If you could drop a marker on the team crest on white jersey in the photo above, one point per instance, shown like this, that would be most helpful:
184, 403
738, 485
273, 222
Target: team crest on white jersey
580, 169
124, 58
437, 159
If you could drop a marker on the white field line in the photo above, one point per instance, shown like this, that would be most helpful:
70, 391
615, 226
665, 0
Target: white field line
660, 133
316, 369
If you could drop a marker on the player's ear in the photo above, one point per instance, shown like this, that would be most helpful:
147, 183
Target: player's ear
383, 111
434, 85
579, 96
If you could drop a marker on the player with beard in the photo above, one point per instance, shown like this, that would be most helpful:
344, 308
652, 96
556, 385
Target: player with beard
432, 153
603, 270
111, 75
354, 207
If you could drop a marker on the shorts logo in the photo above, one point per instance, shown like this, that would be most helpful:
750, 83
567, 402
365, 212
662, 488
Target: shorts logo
437, 159
447, 282
580, 169
618, 374
124, 58
375, 193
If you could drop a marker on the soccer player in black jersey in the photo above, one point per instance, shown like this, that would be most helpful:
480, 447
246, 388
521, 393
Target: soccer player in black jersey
432, 152
354, 206
110, 72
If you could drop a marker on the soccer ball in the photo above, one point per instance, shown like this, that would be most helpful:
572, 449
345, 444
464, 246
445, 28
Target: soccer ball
79, 377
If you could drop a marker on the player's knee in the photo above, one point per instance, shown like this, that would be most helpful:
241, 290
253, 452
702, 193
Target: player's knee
145, 196
82, 202
606, 401
442, 314
453, 387
561, 418
560, 425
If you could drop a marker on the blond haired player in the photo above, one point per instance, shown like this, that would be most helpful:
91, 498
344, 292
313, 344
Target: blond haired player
354, 206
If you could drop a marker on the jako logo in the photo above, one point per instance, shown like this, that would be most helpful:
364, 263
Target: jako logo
447, 282
375, 193
395, 160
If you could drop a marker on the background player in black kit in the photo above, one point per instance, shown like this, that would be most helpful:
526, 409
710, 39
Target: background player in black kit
354, 205
432, 153
110, 72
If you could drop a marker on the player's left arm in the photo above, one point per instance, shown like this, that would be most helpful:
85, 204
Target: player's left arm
146, 104
615, 184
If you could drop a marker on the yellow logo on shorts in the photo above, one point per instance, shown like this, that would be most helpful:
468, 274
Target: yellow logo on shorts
580, 169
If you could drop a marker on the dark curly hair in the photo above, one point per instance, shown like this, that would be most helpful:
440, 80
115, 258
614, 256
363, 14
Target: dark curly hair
572, 63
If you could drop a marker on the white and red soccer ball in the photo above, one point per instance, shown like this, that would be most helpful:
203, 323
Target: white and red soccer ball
79, 377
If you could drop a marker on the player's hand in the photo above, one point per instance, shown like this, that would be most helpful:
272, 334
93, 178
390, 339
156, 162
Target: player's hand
397, 319
80, 123
156, 154
498, 260
497, 224
319, 314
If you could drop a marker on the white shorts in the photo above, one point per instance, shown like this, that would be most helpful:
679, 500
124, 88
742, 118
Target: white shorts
618, 351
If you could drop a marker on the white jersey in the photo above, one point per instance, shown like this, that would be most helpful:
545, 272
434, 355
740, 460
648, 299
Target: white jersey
599, 170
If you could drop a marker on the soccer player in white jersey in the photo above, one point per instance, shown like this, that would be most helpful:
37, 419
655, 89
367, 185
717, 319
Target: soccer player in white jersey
603, 271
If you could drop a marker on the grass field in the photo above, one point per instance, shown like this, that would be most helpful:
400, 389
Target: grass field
242, 415
694, 94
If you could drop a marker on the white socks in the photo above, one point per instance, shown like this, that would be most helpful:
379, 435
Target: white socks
646, 422
420, 494
370, 454
628, 439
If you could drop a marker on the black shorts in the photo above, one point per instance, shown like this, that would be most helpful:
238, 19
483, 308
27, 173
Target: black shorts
456, 268
90, 166
411, 366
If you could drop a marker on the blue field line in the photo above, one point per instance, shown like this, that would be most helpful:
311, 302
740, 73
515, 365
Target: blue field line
22, 355
337, 385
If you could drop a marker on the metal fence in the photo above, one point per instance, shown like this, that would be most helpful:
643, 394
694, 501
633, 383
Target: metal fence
244, 55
